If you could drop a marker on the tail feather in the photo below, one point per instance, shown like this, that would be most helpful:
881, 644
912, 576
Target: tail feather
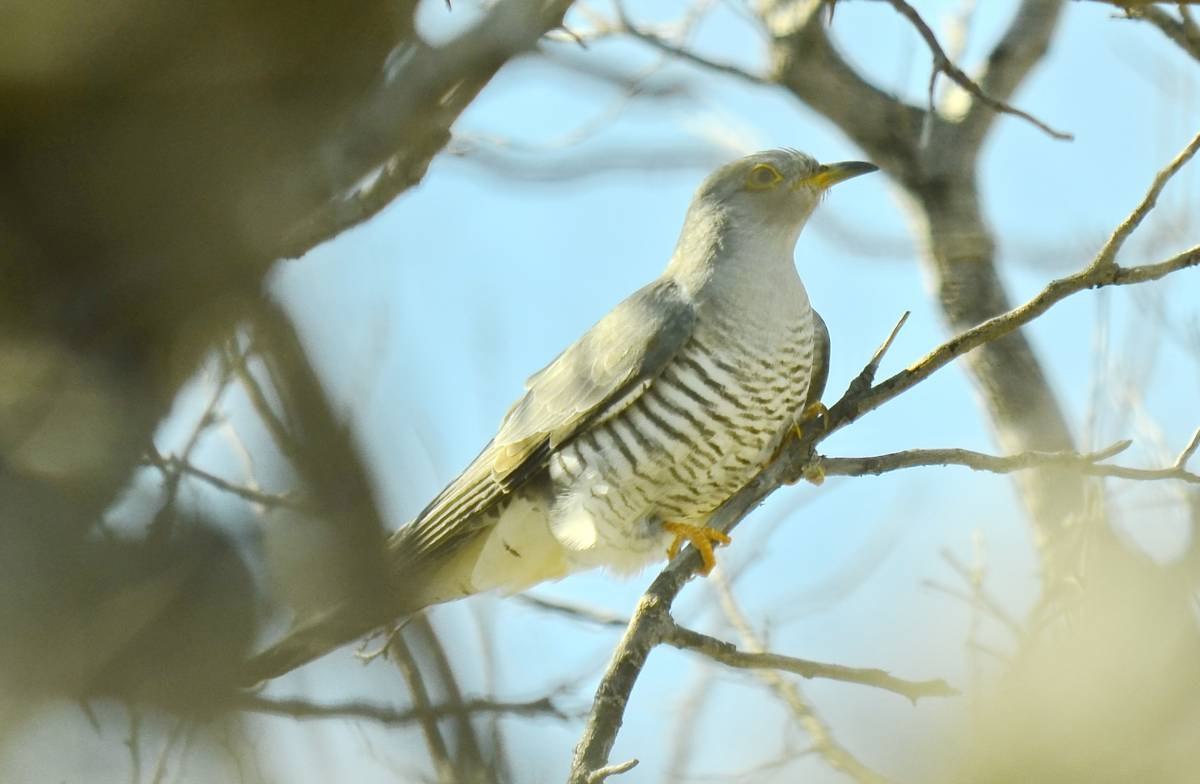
514, 551
419, 585
309, 641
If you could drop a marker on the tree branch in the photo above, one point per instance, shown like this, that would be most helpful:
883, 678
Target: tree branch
439, 753
304, 709
406, 121
942, 63
687, 55
1023, 45
824, 742
804, 61
1108, 253
978, 461
177, 464
602, 774
1101, 272
1182, 29
728, 654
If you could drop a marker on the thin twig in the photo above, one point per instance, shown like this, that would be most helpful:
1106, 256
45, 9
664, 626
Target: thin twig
941, 62
601, 774
689, 710
468, 756
728, 69
281, 434
1088, 463
1192, 445
849, 410
400, 127
1182, 29
866, 377
439, 754
575, 611
1108, 254
823, 740
981, 597
176, 463
160, 527
305, 709
728, 654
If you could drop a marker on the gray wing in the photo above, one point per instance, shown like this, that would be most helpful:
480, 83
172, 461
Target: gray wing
820, 365
597, 376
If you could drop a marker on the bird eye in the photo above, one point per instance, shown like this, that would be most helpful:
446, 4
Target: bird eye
763, 176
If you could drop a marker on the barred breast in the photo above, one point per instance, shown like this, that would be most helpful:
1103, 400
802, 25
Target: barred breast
700, 432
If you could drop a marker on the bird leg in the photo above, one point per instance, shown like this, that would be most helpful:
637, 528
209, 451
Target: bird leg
702, 538
811, 412
814, 412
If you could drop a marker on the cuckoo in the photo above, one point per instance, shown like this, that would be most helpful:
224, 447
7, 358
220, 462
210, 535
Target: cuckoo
624, 445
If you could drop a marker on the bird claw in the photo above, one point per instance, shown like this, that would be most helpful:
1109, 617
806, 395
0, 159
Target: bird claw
701, 537
814, 410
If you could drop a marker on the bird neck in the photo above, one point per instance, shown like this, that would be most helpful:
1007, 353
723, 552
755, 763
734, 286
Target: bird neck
727, 255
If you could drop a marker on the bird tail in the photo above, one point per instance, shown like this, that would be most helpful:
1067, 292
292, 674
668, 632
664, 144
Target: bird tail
312, 639
419, 582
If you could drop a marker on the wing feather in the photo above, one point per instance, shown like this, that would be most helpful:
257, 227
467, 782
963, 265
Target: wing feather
601, 373
820, 361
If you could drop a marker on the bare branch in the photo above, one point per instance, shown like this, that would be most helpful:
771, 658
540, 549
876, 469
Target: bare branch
942, 63
304, 709
577, 612
176, 463
980, 597
160, 527
607, 771
468, 757
866, 377
805, 62
597, 161
978, 461
1182, 29
685, 54
647, 628
407, 120
280, 433
1192, 445
728, 654
1101, 272
1108, 254
788, 691
439, 753
1023, 45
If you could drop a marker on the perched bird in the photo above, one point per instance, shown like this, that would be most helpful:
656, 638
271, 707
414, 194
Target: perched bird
625, 444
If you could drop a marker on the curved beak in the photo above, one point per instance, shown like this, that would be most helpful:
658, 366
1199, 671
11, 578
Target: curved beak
830, 174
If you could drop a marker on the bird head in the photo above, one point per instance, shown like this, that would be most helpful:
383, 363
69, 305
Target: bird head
775, 188
755, 208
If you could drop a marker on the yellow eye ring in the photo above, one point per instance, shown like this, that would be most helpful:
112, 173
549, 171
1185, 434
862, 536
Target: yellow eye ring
763, 177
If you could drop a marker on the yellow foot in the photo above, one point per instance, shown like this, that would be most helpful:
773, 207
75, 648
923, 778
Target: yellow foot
702, 538
812, 412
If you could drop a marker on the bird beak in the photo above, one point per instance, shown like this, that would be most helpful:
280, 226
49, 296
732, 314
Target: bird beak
830, 174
